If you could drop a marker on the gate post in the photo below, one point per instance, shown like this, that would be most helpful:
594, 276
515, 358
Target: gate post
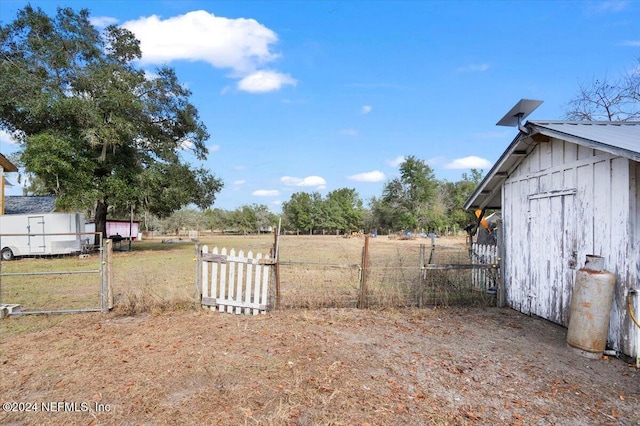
274, 293
106, 264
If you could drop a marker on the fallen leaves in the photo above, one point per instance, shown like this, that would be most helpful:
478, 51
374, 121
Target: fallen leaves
383, 373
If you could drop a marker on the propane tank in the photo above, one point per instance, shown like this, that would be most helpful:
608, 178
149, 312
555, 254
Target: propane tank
590, 307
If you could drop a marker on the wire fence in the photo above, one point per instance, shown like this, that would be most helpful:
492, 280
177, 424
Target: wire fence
312, 272
316, 285
387, 276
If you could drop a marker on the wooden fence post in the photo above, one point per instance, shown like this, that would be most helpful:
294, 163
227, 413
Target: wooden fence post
433, 250
500, 252
198, 272
276, 266
363, 277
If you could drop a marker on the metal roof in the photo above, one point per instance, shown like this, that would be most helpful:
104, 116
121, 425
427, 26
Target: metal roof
617, 138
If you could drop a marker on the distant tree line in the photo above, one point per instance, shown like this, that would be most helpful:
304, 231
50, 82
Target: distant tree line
415, 201
248, 219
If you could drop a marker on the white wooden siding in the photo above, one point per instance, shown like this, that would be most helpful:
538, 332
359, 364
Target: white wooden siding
561, 203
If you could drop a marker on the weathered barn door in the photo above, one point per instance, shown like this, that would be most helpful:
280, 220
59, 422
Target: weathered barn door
551, 236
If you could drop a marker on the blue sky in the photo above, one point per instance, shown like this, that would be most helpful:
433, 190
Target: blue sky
318, 96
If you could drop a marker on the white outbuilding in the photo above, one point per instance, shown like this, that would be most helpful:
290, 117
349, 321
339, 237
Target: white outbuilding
567, 190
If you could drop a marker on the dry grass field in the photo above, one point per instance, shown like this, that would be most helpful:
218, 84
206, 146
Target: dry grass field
157, 359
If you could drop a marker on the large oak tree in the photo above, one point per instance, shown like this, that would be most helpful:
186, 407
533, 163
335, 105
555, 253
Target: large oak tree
94, 128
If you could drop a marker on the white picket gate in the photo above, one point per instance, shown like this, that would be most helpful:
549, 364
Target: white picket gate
235, 282
485, 254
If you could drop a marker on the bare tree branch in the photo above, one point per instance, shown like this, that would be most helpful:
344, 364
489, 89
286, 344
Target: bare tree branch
607, 100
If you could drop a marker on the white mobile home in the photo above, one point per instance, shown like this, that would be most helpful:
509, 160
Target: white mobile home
41, 234
566, 190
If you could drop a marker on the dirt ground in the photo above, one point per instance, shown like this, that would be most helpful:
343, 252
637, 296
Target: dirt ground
297, 367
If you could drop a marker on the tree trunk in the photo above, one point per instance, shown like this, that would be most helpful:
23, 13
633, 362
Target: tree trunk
101, 221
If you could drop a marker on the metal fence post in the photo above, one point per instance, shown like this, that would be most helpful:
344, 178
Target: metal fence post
363, 277
103, 278
109, 254
421, 280
106, 263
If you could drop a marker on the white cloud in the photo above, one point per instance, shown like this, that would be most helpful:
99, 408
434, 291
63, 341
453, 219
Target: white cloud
316, 181
348, 132
266, 193
239, 168
103, 21
470, 162
214, 148
6, 137
243, 45
240, 44
366, 109
474, 67
632, 43
374, 176
395, 162
265, 81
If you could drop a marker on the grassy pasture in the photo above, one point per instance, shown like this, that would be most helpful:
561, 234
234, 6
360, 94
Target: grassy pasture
315, 271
